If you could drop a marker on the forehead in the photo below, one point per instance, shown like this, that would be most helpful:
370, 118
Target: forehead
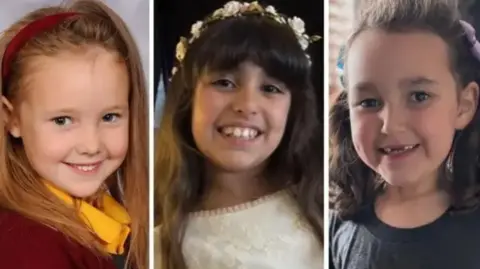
380, 57
77, 79
244, 66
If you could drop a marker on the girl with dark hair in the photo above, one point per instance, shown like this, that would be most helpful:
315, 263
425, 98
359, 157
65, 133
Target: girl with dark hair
405, 140
238, 163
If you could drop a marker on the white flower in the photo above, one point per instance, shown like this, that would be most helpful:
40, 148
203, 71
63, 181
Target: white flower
231, 8
195, 31
244, 7
218, 12
297, 25
180, 51
271, 10
280, 19
303, 42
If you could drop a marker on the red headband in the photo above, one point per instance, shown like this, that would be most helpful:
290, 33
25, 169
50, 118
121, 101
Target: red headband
24, 35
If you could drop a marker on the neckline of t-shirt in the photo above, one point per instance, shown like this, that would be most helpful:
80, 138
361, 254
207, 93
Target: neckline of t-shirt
386, 232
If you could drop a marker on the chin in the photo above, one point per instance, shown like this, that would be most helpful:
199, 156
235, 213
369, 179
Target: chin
236, 166
84, 191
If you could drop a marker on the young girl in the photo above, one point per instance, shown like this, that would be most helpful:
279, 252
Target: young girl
405, 141
73, 174
238, 154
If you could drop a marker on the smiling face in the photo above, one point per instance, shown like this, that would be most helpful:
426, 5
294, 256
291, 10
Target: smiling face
72, 117
239, 117
404, 104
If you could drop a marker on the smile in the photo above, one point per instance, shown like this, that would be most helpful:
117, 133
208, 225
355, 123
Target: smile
244, 133
394, 150
85, 168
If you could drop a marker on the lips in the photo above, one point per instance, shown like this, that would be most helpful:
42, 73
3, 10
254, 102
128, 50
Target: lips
85, 167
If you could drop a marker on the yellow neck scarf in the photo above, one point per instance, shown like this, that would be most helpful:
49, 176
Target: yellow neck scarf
111, 226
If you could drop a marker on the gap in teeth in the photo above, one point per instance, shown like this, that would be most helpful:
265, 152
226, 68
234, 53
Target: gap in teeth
239, 132
398, 150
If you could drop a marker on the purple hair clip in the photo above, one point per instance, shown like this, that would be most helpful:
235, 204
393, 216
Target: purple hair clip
470, 34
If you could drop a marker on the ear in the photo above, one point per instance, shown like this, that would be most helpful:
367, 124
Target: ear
468, 103
10, 121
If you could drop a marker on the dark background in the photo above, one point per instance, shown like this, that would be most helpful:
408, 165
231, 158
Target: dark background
173, 18
472, 13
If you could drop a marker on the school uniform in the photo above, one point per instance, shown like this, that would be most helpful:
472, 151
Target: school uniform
27, 244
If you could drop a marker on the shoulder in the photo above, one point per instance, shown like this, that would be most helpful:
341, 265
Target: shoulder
334, 223
337, 223
343, 234
24, 241
16, 226
343, 230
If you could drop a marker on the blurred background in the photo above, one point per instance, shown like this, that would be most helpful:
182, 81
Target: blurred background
134, 12
342, 17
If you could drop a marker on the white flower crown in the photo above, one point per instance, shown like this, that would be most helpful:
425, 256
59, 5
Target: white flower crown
236, 9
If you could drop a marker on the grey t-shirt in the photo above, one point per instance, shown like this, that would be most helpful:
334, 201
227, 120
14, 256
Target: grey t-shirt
450, 242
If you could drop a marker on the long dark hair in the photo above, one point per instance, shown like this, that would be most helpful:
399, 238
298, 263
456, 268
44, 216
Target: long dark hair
297, 162
353, 184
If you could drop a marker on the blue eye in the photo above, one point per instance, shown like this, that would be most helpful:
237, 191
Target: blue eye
111, 117
62, 121
419, 97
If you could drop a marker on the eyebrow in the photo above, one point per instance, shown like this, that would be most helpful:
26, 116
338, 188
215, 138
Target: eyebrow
416, 81
117, 107
406, 83
73, 111
365, 87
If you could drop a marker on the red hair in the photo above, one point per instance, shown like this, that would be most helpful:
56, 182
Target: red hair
20, 188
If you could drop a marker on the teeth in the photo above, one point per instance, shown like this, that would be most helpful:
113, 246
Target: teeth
398, 150
239, 132
85, 168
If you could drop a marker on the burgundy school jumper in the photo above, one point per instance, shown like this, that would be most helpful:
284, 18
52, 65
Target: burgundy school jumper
26, 244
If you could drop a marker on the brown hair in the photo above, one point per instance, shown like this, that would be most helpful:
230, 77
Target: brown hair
20, 189
353, 185
180, 182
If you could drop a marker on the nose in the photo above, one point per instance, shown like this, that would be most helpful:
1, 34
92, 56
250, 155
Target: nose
89, 141
246, 101
394, 119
